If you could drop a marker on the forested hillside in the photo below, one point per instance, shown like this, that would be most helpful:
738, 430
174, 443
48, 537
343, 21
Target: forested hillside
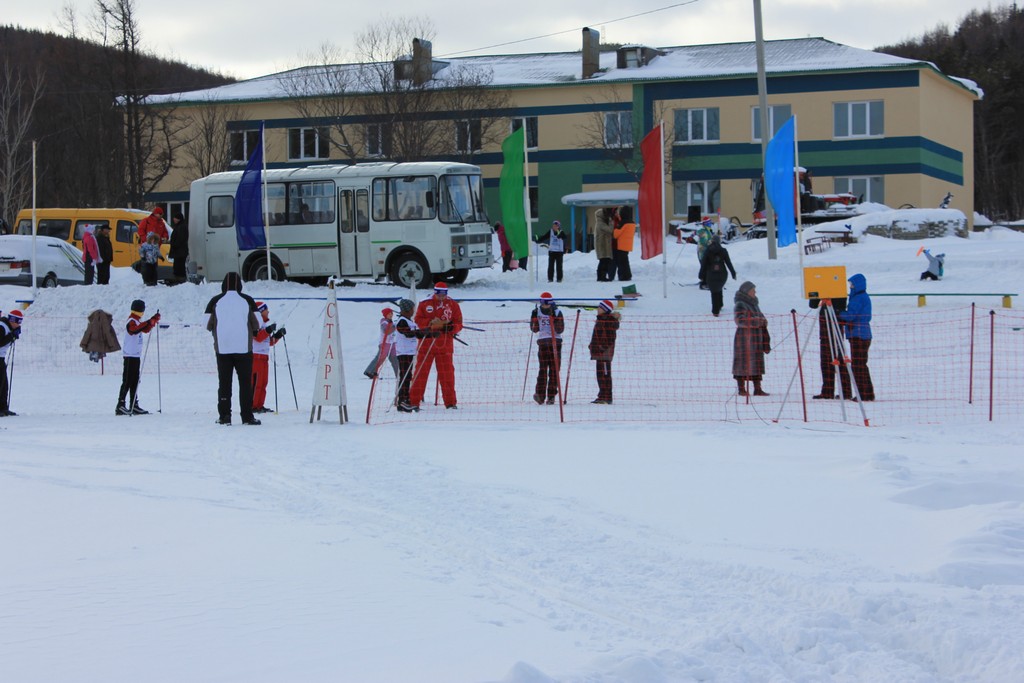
75, 98
988, 48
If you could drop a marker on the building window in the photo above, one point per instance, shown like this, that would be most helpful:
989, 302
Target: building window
309, 143
531, 130
865, 188
467, 136
696, 125
778, 114
707, 194
618, 129
378, 140
858, 119
243, 143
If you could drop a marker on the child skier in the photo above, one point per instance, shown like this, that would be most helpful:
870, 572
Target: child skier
935, 266
602, 349
150, 253
131, 349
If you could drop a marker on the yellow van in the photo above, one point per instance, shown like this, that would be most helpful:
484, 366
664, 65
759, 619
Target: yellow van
69, 225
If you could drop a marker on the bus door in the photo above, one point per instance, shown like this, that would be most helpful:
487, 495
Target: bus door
354, 233
221, 239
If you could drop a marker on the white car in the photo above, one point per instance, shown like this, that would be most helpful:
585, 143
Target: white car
57, 262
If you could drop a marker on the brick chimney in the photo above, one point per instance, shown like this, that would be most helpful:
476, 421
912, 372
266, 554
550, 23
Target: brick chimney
591, 52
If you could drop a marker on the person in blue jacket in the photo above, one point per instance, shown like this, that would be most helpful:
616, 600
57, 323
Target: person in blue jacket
856, 321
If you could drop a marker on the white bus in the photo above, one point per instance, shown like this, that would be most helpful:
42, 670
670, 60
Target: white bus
416, 223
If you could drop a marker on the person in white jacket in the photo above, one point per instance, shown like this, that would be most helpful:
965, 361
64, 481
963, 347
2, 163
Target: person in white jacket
231, 316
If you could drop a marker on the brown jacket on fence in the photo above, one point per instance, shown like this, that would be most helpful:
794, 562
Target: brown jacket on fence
99, 334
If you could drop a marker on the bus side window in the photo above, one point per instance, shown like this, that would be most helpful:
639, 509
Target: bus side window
362, 211
345, 211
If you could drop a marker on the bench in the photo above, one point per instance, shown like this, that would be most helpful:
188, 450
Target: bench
843, 236
922, 300
817, 244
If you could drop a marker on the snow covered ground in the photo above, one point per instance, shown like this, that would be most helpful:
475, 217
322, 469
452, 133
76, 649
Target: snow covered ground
167, 548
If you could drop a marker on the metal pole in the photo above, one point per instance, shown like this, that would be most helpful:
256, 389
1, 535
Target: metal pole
159, 383
10, 380
292, 378
35, 223
762, 99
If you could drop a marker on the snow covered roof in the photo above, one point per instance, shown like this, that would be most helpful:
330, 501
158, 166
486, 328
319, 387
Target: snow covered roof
726, 60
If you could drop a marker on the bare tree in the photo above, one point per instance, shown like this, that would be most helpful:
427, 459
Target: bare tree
151, 133
207, 150
321, 93
616, 136
19, 95
410, 100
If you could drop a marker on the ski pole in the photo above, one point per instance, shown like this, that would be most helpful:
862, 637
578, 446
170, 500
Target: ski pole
290, 376
475, 329
276, 407
159, 382
10, 380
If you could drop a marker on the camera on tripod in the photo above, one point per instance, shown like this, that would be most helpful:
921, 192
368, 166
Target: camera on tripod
825, 282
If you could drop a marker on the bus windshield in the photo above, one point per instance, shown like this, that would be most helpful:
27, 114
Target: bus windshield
461, 199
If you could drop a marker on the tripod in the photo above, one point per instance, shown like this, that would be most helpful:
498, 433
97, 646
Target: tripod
840, 359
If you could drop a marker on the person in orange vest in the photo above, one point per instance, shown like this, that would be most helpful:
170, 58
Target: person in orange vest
444, 316
624, 236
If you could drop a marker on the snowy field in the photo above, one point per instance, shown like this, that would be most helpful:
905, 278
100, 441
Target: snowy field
165, 548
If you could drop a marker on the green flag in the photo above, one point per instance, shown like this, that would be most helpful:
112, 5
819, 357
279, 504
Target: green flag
510, 189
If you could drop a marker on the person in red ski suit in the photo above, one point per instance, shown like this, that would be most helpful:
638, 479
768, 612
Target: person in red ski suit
153, 223
444, 316
267, 336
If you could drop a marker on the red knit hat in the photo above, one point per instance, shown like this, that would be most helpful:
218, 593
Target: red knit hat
386, 311
606, 306
15, 316
441, 288
158, 210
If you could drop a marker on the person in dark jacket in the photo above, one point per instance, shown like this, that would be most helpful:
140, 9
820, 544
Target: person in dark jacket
555, 239
179, 245
106, 250
10, 331
602, 349
751, 342
857, 323
231, 316
547, 323
831, 353
713, 273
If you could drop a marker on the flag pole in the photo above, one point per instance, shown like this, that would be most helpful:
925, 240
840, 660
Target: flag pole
35, 223
526, 204
661, 227
796, 186
263, 191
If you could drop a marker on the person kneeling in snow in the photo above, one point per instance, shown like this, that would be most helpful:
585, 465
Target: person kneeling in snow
935, 266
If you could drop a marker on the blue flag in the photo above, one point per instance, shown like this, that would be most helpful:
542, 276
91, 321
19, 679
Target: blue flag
779, 179
249, 202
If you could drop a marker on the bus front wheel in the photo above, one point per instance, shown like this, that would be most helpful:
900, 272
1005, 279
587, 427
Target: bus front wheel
456, 276
410, 270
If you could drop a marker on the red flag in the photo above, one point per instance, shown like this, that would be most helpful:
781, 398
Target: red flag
652, 185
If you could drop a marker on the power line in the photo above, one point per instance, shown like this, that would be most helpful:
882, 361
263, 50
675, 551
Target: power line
571, 30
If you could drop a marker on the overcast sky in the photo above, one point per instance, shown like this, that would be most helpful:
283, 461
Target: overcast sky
230, 37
